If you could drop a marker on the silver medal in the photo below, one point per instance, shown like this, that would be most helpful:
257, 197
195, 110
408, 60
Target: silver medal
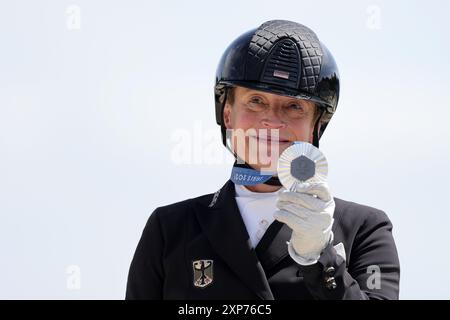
301, 162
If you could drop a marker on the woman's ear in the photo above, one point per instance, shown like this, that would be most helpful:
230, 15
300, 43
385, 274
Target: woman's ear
227, 116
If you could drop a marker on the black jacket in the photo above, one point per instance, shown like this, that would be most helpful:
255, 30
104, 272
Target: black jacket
210, 228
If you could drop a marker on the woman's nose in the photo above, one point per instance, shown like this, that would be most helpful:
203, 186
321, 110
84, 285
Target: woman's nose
273, 120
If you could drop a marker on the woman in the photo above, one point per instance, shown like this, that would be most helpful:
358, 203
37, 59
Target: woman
253, 239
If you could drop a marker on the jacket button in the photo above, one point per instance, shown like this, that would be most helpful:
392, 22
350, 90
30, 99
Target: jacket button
330, 271
330, 283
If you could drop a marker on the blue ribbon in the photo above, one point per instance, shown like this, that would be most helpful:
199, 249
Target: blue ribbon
248, 177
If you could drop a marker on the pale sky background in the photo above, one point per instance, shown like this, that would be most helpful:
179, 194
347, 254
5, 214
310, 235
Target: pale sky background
90, 114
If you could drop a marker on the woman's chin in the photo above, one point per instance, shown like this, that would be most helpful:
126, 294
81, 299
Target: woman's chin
270, 167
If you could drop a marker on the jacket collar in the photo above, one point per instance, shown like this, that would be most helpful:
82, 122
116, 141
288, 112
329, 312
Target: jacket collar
223, 226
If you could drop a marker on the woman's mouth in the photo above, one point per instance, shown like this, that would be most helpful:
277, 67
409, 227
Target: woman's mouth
268, 139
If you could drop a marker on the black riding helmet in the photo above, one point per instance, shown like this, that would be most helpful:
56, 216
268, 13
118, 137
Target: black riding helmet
280, 57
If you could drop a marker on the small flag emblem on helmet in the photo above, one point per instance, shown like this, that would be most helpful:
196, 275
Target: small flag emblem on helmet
281, 74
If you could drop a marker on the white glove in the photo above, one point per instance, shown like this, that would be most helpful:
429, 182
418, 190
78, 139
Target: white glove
310, 219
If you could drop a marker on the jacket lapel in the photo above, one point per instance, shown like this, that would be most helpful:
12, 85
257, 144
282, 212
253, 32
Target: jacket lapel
222, 224
272, 247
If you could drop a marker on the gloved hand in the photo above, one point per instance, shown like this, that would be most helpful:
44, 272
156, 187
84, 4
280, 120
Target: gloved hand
309, 213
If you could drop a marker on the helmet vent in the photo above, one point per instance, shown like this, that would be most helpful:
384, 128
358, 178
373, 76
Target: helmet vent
283, 65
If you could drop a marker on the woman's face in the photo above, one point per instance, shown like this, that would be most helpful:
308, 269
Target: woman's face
268, 124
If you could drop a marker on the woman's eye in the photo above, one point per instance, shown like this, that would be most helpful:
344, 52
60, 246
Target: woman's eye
256, 100
256, 104
295, 106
